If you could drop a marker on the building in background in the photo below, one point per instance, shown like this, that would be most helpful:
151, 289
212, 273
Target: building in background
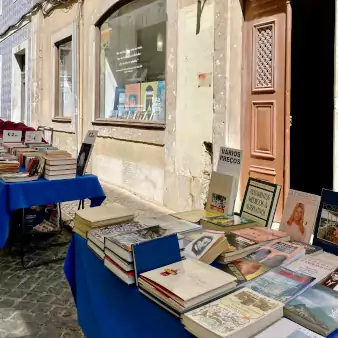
167, 82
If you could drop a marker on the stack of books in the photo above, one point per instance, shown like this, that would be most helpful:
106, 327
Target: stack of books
98, 217
9, 166
60, 165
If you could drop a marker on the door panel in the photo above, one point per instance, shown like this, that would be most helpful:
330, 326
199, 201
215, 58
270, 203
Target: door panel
264, 92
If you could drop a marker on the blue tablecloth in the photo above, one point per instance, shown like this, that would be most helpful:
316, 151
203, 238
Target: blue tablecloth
21, 195
107, 307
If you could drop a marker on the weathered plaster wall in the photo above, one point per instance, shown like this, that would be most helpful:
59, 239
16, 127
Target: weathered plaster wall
189, 123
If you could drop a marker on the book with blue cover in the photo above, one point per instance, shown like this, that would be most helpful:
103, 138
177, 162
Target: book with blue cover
280, 284
316, 309
326, 228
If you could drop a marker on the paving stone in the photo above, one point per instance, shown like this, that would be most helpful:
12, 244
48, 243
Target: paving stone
6, 303
25, 306
38, 297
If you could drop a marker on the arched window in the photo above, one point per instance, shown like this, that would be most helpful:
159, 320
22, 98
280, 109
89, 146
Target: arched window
132, 62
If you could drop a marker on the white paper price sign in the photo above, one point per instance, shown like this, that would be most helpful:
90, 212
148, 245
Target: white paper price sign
33, 136
90, 137
11, 136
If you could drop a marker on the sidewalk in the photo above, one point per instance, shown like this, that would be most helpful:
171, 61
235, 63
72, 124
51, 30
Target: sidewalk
116, 195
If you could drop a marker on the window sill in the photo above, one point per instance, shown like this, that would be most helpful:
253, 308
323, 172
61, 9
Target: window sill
62, 119
130, 124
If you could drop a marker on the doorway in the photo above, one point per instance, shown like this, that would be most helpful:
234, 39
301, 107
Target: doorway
312, 95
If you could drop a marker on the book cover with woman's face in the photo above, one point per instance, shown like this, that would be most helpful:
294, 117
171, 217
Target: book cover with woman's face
299, 215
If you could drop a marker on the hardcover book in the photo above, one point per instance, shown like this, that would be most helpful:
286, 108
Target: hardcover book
226, 223
277, 253
244, 269
186, 283
222, 194
193, 216
331, 281
240, 314
285, 328
326, 234
97, 236
316, 309
312, 266
262, 235
299, 215
280, 284
85, 152
260, 201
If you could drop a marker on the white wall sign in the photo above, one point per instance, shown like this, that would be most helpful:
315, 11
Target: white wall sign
11, 136
230, 161
33, 136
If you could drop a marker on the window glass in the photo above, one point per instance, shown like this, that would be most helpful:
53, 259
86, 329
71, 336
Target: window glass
65, 79
132, 62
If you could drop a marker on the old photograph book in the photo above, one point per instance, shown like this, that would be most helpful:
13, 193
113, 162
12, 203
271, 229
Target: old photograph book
206, 247
280, 284
97, 235
222, 194
260, 201
285, 328
240, 314
127, 276
316, 309
299, 215
186, 284
226, 223
244, 269
121, 244
277, 253
331, 280
85, 152
326, 228
313, 266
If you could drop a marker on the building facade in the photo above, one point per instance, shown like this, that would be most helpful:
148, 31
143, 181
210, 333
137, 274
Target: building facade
168, 82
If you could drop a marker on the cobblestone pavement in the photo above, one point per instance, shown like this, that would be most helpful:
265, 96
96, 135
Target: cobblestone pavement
37, 302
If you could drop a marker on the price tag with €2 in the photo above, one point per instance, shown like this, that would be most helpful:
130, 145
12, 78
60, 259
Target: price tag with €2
33, 136
11, 136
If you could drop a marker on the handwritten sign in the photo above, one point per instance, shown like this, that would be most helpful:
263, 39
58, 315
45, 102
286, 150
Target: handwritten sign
11, 136
90, 137
229, 161
33, 136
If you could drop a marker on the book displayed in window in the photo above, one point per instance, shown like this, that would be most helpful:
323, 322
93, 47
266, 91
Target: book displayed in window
326, 228
299, 215
316, 309
222, 194
260, 201
85, 152
240, 314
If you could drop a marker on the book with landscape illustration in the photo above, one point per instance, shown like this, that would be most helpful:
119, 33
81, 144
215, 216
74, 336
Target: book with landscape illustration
260, 201
281, 284
316, 309
240, 314
326, 228
299, 215
222, 194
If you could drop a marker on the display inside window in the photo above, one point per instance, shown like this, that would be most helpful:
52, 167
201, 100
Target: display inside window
132, 65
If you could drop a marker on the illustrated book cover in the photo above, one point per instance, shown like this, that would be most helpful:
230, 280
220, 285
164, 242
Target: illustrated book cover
133, 100
277, 253
326, 228
316, 309
312, 266
244, 269
119, 102
148, 97
260, 201
299, 215
280, 283
331, 280
240, 314
285, 328
187, 283
222, 193
85, 152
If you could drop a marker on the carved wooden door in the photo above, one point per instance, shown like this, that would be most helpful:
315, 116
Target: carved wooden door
263, 127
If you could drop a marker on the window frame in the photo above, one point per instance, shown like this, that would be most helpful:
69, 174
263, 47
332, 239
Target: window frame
98, 120
57, 44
